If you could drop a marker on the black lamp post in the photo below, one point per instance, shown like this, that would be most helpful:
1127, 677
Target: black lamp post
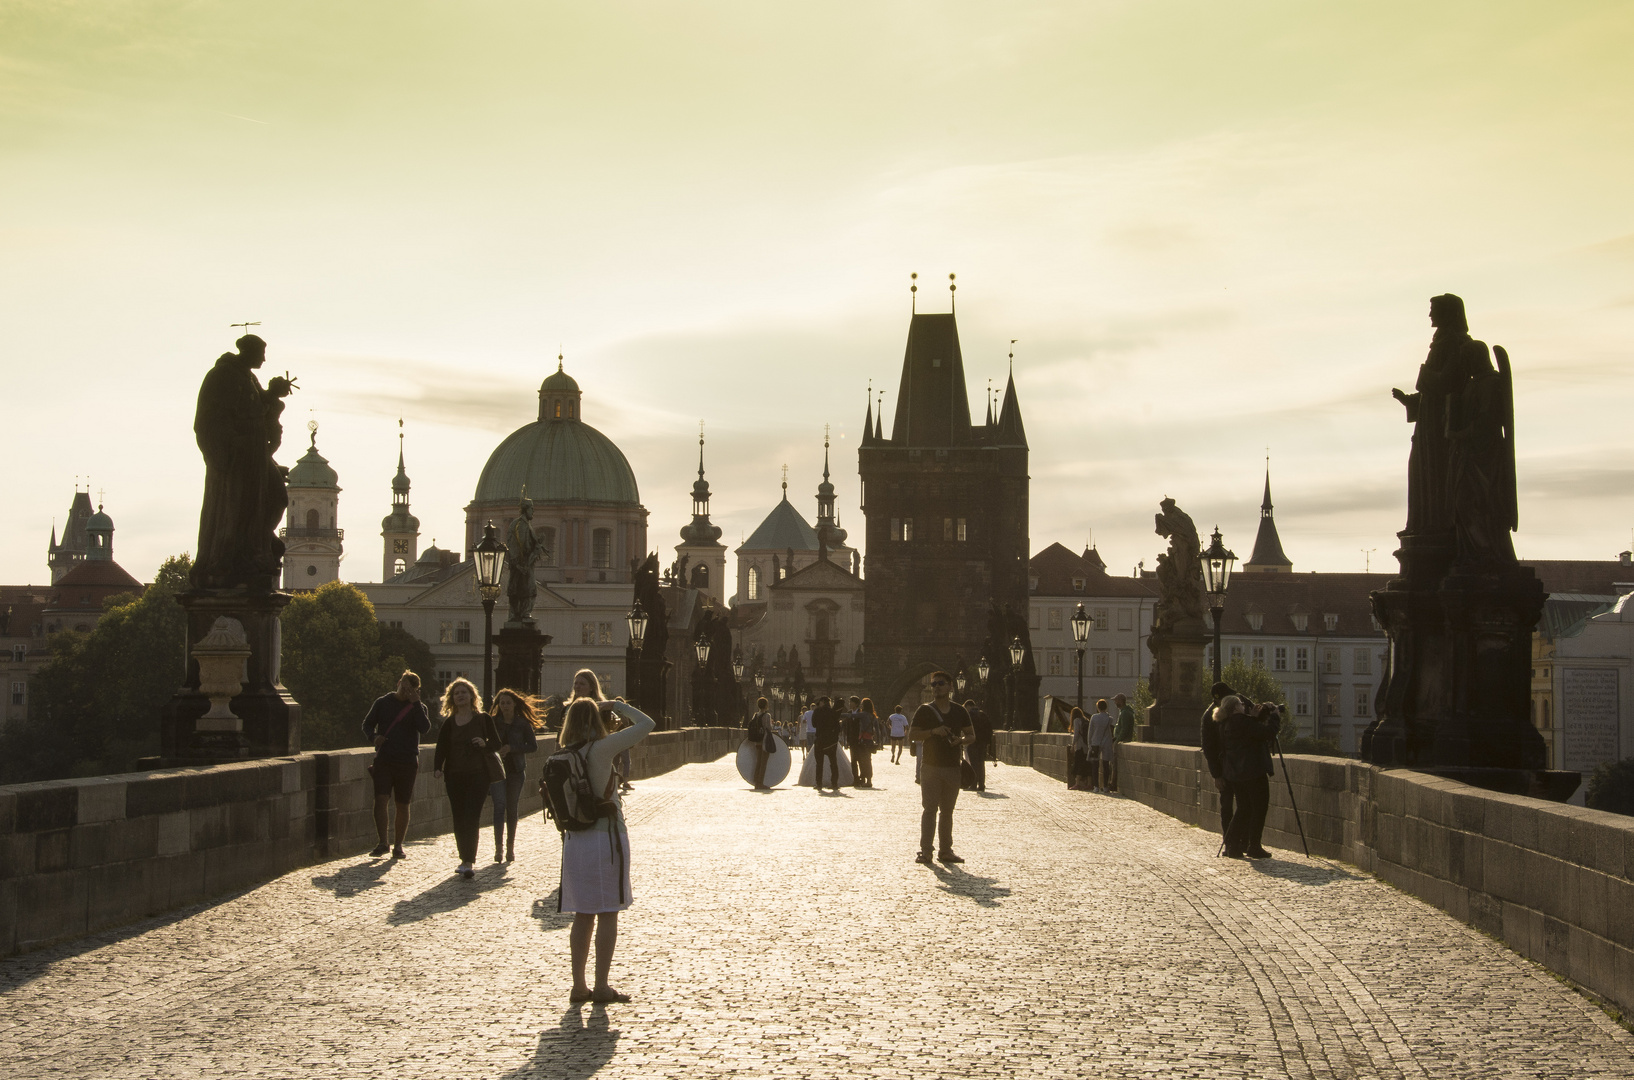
1015, 669
981, 673
1217, 564
960, 679
489, 556
701, 649
635, 681
1081, 623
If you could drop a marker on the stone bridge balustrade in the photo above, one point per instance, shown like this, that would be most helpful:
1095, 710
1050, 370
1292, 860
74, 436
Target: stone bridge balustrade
1553, 882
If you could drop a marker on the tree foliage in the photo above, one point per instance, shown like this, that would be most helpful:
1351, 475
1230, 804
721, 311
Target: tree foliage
1253, 682
94, 708
1611, 787
337, 659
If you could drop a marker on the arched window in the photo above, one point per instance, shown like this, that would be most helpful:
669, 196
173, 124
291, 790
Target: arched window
700, 576
1546, 721
558, 410
398, 566
754, 583
312, 520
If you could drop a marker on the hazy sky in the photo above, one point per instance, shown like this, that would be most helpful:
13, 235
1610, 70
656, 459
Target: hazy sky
1212, 228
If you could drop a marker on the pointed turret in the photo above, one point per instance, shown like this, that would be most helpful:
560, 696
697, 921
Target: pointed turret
932, 406
868, 420
1011, 431
701, 531
829, 533
1268, 557
399, 530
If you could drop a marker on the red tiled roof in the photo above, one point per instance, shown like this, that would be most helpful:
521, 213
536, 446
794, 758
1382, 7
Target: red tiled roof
1055, 568
99, 573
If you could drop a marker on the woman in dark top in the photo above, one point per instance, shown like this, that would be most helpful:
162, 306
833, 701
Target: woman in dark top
514, 718
467, 737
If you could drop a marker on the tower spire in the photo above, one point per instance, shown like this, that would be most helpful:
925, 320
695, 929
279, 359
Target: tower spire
913, 293
1268, 557
701, 531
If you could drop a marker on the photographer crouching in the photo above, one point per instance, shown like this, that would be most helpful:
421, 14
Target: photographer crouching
1248, 733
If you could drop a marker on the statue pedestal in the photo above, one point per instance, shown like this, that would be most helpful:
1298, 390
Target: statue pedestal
521, 650
1179, 683
267, 720
1455, 700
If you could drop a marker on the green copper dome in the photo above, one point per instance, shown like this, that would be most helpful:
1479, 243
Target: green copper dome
560, 461
313, 470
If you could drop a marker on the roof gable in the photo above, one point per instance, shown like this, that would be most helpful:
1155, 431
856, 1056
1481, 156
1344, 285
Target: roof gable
819, 575
783, 528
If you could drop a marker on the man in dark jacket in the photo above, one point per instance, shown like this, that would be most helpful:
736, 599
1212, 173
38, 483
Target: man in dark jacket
394, 724
1247, 734
1209, 739
977, 752
825, 723
758, 734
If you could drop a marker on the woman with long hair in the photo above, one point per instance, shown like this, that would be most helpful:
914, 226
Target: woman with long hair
595, 861
467, 737
516, 718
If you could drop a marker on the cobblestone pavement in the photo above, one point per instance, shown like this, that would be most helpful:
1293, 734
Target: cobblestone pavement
791, 935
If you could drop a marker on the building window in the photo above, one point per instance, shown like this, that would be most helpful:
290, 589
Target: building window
1236, 654
754, 583
1364, 700
1256, 620
1054, 618
1279, 658
1302, 659
19, 693
311, 571
962, 533
604, 633
1077, 584
395, 624
1055, 662
1330, 663
1126, 664
1300, 620
1360, 660
1259, 656
1331, 621
547, 546
601, 548
1302, 702
1102, 619
445, 632
587, 633
1126, 619
462, 632
19, 653
907, 528
398, 566
1330, 701
1547, 722
312, 520
1103, 661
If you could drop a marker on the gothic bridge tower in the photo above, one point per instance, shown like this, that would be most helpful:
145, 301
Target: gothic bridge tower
945, 503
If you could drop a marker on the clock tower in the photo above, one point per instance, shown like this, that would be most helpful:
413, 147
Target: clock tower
399, 530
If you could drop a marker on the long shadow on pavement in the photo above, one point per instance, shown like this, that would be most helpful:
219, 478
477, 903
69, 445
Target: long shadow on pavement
985, 891
574, 1051
544, 910
1303, 873
446, 895
351, 880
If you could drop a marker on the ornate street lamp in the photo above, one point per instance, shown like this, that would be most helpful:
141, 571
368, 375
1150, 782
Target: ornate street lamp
1081, 623
700, 648
637, 620
959, 679
489, 556
1217, 563
737, 663
635, 657
1016, 649
1012, 691
982, 669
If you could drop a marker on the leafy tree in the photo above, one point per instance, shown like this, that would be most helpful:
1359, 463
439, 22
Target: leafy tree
335, 666
416, 654
1253, 682
1611, 787
1144, 698
95, 707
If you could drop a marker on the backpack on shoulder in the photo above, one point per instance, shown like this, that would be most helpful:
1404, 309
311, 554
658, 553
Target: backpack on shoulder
570, 801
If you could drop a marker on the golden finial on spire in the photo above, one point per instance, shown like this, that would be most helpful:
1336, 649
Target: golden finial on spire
913, 292
785, 481
952, 289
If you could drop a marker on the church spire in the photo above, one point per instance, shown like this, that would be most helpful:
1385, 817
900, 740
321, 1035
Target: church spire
399, 530
1011, 431
829, 533
701, 531
1268, 557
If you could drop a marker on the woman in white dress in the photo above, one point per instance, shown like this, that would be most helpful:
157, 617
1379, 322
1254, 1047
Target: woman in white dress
596, 861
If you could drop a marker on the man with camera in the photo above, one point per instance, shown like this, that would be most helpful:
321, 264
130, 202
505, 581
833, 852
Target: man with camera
941, 728
1247, 734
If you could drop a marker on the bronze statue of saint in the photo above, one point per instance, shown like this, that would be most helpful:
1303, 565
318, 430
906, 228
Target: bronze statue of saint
521, 553
1454, 360
237, 425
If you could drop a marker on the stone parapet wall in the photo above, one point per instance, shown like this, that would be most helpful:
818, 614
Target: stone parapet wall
1554, 882
77, 856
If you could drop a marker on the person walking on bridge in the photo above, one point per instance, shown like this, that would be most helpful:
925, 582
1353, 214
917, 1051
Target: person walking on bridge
825, 723
515, 717
941, 727
981, 745
899, 732
467, 737
394, 725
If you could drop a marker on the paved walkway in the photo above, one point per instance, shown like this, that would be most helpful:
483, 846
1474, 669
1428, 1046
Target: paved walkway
791, 935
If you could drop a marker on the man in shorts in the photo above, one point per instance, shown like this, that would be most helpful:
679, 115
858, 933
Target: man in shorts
941, 728
899, 732
394, 724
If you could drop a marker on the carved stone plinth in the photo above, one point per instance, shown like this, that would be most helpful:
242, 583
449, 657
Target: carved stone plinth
521, 650
1180, 683
1455, 698
265, 720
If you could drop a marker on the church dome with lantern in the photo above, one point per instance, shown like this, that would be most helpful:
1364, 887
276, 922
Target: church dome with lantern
587, 507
